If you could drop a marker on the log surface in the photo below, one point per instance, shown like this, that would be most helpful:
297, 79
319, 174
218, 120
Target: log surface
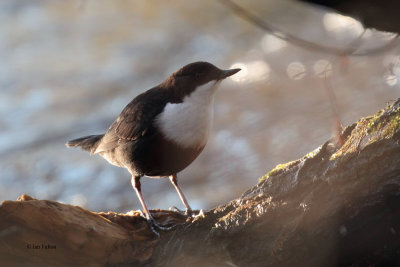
338, 205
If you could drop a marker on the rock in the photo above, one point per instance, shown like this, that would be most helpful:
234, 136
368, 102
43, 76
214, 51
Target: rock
338, 205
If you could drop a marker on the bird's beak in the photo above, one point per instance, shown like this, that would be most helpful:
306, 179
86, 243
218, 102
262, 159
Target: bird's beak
227, 73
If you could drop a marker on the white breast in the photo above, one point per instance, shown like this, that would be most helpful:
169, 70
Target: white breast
189, 123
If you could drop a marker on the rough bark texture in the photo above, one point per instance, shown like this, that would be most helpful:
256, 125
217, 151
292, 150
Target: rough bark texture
335, 206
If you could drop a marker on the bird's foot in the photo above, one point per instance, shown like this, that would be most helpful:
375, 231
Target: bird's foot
200, 214
189, 212
155, 226
142, 214
152, 226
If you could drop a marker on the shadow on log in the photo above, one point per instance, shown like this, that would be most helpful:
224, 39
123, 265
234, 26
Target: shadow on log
335, 206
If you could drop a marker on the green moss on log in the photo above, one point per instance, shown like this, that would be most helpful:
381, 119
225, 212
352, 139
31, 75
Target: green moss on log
385, 124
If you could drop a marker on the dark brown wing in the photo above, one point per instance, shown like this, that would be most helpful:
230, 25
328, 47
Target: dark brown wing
135, 120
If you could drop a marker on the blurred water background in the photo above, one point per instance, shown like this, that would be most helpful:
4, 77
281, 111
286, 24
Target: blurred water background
69, 67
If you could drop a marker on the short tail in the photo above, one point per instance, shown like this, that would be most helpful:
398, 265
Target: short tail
88, 143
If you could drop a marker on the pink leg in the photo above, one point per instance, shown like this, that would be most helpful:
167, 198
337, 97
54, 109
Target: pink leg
174, 181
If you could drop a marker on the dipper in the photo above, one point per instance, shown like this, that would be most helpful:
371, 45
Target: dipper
161, 131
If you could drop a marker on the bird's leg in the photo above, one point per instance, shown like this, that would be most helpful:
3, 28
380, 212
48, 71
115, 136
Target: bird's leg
152, 223
137, 186
174, 180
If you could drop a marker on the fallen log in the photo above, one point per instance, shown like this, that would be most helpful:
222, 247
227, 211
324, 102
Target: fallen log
338, 205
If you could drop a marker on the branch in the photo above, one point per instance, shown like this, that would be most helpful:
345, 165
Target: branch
275, 31
335, 206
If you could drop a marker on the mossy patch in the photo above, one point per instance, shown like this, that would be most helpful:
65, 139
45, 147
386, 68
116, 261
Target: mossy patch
285, 166
278, 169
383, 125
392, 126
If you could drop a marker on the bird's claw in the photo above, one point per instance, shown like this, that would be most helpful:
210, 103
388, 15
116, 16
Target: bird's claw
189, 213
142, 214
152, 226
200, 214
155, 226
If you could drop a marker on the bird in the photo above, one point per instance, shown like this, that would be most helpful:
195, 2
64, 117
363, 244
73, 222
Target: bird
163, 130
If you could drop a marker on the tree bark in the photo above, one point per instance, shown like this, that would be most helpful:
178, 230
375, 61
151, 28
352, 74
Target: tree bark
338, 205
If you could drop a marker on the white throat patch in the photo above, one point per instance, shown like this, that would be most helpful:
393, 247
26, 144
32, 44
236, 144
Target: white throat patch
189, 123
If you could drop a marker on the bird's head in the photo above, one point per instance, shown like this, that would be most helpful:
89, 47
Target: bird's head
198, 76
